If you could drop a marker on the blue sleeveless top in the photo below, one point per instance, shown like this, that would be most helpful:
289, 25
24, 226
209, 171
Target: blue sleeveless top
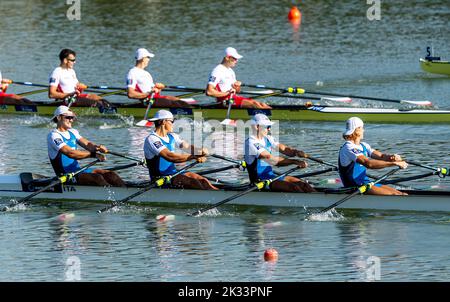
354, 174
158, 165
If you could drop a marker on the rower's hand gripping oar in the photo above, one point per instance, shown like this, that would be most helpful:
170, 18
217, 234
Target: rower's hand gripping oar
298, 90
145, 122
360, 190
57, 180
227, 121
158, 183
257, 186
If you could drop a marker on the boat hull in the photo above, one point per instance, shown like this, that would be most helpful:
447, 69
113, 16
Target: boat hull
280, 112
425, 201
437, 67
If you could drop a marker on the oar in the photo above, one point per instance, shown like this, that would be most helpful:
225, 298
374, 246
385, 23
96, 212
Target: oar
242, 163
360, 190
256, 186
442, 172
32, 92
57, 180
123, 167
145, 122
298, 90
161, 181
227, 121
124, 156
218, 169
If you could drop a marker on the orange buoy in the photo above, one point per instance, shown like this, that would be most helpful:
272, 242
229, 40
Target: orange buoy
295, 15
271, 254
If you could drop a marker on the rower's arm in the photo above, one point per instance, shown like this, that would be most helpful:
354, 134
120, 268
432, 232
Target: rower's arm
280, 161
212, 91
288, 151
373, 163
53, 93
75, 154
386, 157
193, 150
176, 157
134, 94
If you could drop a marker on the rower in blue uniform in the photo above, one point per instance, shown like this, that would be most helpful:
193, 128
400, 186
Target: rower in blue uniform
355, 157
62, 145
259, 157
159, 150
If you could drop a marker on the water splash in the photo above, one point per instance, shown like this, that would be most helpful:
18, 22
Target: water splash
331, 215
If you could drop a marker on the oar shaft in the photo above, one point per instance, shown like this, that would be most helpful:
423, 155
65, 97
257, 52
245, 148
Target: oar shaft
421, 165
57, 181
218, 169
122, 167
124, 156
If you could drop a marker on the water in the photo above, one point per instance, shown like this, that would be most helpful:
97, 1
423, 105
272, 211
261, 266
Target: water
336, 45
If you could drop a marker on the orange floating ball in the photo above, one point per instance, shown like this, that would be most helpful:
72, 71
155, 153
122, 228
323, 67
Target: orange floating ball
271, 254
295, 14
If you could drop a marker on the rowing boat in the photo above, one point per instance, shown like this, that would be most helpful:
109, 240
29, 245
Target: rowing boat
18, 186
435, 66
279, 112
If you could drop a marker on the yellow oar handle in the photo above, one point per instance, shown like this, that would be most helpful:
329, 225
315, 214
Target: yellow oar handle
263, 184
163, 180
363, 189
297, 90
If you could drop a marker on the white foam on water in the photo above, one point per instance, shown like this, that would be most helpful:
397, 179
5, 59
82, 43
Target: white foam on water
331, 215
211, 213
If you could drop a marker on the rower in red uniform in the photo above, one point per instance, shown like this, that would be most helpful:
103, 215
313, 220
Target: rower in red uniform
140, 83
222, 83
64, 84
10, 98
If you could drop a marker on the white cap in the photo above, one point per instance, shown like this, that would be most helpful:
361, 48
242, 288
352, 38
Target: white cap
352, 124
232, 52
261, 119
142, 53
162, 115
63, 110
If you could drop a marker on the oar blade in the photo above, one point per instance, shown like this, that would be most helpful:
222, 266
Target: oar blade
229, 122
338, 100
417, 103
190, 101
144, 123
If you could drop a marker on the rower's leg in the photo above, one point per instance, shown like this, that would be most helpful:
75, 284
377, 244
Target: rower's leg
15, 100
384, 190
170, 101
186, 181
304, 186
91, 179
284, 186
111, 177
249, 103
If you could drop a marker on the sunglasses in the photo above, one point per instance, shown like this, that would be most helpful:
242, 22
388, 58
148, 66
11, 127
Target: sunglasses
71, 60
70, 118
